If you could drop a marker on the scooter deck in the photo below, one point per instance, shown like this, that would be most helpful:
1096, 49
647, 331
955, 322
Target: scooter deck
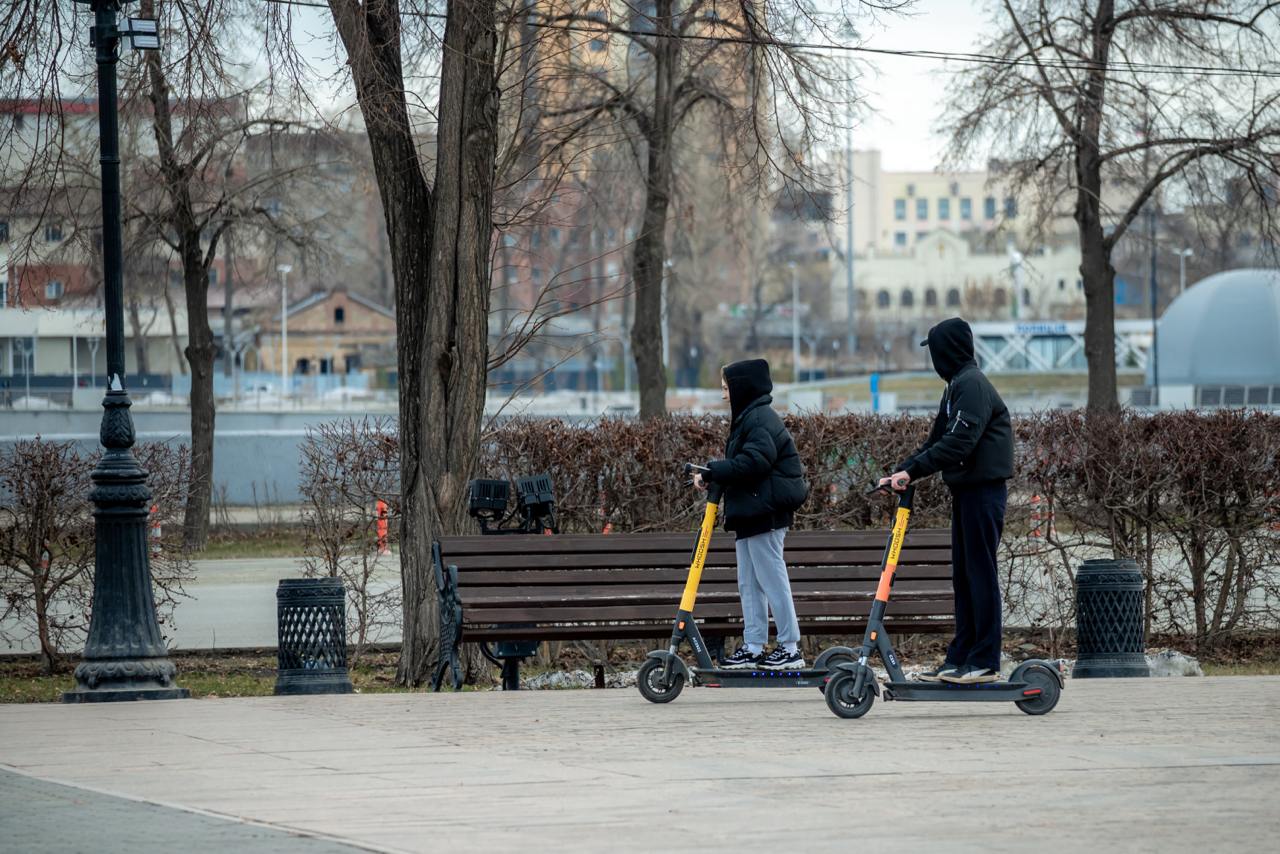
980, 692
760, 678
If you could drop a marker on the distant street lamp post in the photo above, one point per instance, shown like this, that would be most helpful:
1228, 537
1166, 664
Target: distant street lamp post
1183, 255
284, 270
125, 657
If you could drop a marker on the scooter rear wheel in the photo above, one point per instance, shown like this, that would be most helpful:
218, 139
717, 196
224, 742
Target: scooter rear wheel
840, 699
1037, 676
649, 681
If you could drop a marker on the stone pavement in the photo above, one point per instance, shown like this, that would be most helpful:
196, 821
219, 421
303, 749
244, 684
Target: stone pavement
1121, 765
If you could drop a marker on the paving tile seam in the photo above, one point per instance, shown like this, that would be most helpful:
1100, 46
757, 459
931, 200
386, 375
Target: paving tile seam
238, 819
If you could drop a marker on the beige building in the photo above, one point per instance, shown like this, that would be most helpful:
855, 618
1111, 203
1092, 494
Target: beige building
942, 274
72, 342
333, 332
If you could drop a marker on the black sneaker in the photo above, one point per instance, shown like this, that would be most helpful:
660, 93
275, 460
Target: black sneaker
741, 658
780, 659
938, 673
971, 676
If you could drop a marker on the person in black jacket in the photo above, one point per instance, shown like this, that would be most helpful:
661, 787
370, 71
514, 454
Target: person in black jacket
971, 443
763, 481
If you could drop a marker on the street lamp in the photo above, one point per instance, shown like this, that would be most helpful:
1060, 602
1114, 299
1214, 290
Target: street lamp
284, 270
124, 654
1183, 255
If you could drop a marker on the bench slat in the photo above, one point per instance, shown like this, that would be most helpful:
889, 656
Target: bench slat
595, 612
707, 593
457, 546
474, 580
636, 630
671, 560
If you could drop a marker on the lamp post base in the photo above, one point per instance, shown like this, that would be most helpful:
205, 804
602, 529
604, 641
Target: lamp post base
126, 695
113, 680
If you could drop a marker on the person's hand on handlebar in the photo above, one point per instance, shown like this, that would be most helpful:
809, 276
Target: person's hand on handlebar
897, 481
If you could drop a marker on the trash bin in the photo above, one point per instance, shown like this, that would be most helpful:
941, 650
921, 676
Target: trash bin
1110, 634
312, 630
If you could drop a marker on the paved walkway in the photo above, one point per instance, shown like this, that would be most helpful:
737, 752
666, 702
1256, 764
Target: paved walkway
1134, 765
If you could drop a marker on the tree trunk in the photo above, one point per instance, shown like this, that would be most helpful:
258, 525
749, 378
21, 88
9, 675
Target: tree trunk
440, 240
200, 353
48, 652
173, 327
650, 250
200, 349
1095, 252
139, 339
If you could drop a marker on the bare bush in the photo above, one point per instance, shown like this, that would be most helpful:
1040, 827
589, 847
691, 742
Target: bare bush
47, 540
348, 467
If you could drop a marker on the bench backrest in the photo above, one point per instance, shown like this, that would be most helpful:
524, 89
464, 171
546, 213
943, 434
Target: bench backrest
638, 577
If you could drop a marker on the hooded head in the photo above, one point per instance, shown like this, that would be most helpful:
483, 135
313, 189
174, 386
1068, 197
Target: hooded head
950, 347
748, 381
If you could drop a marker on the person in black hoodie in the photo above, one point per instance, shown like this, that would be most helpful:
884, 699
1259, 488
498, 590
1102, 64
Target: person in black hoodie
763, 481
971, 443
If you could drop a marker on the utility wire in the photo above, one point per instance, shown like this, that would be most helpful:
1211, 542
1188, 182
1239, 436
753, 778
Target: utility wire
945, 56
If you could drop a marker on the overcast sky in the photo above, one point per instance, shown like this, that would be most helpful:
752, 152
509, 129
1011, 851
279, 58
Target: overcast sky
903, 96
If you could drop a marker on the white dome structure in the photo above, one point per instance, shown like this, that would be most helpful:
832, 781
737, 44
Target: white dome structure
1224, 332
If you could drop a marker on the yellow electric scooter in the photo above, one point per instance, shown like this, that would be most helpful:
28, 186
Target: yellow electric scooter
664, 673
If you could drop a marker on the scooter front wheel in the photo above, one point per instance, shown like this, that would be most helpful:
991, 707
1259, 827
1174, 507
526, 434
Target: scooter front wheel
840, 699
652, 688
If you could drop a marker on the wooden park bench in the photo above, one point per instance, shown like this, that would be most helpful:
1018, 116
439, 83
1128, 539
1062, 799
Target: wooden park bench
529, 589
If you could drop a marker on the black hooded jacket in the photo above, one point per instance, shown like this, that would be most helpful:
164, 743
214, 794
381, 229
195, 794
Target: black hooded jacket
971, 442
761, 473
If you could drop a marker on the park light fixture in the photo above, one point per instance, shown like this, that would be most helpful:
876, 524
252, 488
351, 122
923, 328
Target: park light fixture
487, 501
143, 33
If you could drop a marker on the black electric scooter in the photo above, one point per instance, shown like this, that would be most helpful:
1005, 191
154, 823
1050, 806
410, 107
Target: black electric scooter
1034, 686
663, 675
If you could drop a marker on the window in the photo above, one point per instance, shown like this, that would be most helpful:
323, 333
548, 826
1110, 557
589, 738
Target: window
966, 208
303, 366
339, 316
352, 362
930, 298
899, 209
53, 232
911, 189
900, 239
1079, 284
953, 297
597, 44
326, 366
1026, 296
1001, 298
908, 298
1010, 207
922, 208
19, 121
1062, 284
4, 231
535, 239
213, 275
989, 207
53, 290
883, 300
921, 235
555, 237
536, 275
944, 209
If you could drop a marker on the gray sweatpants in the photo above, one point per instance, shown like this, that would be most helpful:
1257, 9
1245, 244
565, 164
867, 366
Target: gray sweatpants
764, 586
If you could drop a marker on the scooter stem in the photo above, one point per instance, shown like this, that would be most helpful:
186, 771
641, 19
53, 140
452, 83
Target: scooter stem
700, 551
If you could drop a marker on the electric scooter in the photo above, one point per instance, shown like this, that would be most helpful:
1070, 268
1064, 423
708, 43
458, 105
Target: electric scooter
1034, 686
664, 674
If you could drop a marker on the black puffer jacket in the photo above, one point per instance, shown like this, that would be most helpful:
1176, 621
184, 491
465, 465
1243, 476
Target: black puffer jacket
971, 442
761, 473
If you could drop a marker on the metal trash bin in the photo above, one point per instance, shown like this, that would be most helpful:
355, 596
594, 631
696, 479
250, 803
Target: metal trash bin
1110, 633
311, 626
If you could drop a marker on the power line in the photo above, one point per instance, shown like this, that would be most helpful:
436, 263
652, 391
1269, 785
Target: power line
945, 56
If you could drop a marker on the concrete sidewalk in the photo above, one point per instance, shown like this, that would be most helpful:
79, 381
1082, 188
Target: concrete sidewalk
1121, 765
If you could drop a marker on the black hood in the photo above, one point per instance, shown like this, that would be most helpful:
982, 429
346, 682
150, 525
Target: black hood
950, 347
748, 381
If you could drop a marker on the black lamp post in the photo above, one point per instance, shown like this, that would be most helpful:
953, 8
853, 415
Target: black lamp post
124, 656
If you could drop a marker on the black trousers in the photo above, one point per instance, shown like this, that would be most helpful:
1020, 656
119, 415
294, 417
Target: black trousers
977, 521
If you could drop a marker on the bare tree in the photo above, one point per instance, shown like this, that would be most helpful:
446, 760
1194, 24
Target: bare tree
1101, 107
731, 67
